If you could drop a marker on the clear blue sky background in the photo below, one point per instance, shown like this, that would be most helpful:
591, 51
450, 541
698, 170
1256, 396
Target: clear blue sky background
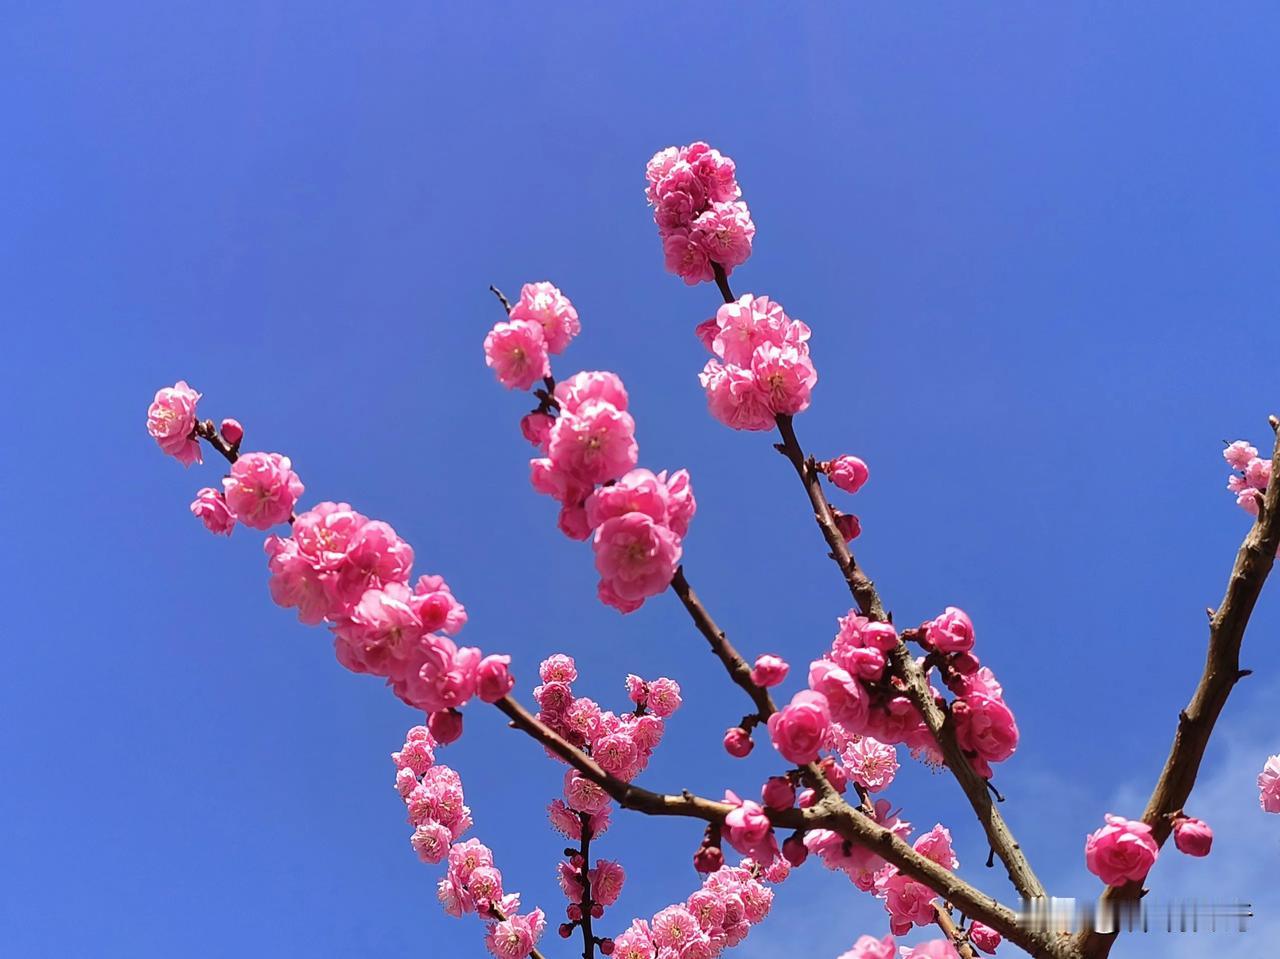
1037, 245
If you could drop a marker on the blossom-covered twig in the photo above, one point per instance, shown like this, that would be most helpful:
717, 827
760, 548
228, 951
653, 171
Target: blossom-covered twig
840, 818
867, 598
1254, 559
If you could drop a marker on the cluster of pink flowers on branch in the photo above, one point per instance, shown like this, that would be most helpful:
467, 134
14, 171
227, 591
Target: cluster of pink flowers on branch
701, 221
636, 519
761, 368
337, 566
1269, 785
472, 883
1253, 474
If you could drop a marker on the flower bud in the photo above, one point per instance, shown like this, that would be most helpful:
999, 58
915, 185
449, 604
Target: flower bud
737, 742
445, 726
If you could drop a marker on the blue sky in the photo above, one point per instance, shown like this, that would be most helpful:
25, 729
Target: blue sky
1036, 243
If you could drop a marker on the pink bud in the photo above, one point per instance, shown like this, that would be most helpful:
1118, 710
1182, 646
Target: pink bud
536, 428
606, 947
881, 636
849, 526
807, 798
778, 793
1192, 836
835, 774
847, 473
232, 432
566, 930
445, 726
983, 937
493, 678
574, 911
708, 859
769, 670
597, 910
737, 742
794, 851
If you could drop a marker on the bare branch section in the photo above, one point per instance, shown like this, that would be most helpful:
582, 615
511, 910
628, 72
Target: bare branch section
734, 664
948, 926
839, 817
1256, 556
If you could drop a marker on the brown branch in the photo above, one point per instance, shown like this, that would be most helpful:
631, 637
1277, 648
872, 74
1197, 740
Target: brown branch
905, 667
948, 927
1256, 556
209, 433
584, 850
840, 818
506, 304
722, 281
734, 664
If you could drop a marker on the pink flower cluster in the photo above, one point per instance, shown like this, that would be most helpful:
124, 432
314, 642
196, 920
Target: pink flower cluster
701, 220
622, 744
542, 322
636, 520
1253, 474
1122, 851
1269, 785
859, 863
261, 490
171, 421
715, 918
472, 883
761, 367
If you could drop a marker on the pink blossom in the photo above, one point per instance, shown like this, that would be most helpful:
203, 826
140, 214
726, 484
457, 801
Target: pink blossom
545, 305
1250, 502
907, 902
769, 670
574, 522
798, 729
493, 678
850, 526
618, 754
846, 699
439, 674
936, 845
1192, 836
445, 726
1239, 453
324, 534
674, 927
417, 754
737, 742
552, 481
686, 256
983, 937
638, 491
657, 168
171, 421
1121, 851
375, 555
595, 444
431, 842
664, 697
582, 795
748, 829
606, 881
1258, 473
536, 428
1269, 785
864, 662
262, 489
515, 936
635, 557
607, 595
436, 605
681, 504
985, 725
380, 631
778, 793
232, 432
734, 398
558, 668
872, 764
600, 385
785, 375
210, 508
516, 351
952, 632
868, 947
847, 473
725, 232
715, 170
294, 581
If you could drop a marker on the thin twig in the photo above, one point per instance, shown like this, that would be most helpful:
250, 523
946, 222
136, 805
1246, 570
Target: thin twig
1254, 559
948, 927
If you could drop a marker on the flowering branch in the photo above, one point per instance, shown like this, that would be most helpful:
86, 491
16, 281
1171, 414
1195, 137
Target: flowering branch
1222, 671
868, 600
839, 817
